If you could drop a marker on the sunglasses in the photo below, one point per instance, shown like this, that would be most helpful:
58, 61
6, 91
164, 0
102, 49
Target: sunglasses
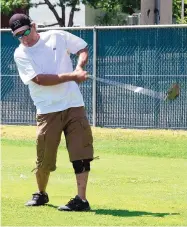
26, 33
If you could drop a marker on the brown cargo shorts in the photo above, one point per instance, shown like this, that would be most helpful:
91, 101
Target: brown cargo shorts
78, 135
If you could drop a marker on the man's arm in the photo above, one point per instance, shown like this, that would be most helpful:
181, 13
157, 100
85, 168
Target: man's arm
82, 58
79, 75
54, 79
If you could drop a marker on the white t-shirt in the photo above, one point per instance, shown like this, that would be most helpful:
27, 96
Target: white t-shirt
50, 55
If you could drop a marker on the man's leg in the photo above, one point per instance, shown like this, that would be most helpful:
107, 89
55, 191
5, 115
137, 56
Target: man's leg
40, 197
79, 203
79, 143
82, 179
81, 169
48, 139
42, 178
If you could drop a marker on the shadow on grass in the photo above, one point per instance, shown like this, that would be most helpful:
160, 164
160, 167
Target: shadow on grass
128, 213
51, 205
123, 213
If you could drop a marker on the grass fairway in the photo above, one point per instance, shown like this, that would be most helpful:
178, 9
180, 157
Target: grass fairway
139, 180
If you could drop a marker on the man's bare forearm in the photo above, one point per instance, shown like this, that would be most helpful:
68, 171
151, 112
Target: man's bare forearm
83, 58
53, 79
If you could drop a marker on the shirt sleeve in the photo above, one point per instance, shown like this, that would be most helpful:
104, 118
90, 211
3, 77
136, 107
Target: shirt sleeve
74, 43
26, 69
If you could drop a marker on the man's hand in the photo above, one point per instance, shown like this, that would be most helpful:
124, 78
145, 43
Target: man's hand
80, 75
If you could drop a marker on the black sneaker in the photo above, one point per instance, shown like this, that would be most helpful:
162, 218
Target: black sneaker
75, 204
38, 199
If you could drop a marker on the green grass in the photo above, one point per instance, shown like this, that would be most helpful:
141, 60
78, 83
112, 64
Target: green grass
139, 180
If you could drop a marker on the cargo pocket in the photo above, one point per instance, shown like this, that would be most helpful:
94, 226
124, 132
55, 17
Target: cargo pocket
40, 118
87, 133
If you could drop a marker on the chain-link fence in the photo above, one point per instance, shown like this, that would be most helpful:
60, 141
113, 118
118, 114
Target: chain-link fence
150, 57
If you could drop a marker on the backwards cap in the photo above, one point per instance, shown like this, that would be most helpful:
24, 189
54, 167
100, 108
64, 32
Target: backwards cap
19, 22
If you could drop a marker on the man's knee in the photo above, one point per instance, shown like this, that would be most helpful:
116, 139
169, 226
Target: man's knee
81, 166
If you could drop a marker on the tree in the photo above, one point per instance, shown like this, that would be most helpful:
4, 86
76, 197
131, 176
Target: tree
114, 10
127, 6
73, 4
8, 7
109, 6
177, 11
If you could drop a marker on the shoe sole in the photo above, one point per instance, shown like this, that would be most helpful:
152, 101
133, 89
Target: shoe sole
34, 205
87, 209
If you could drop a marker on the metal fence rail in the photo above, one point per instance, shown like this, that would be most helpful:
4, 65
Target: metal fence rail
150, 57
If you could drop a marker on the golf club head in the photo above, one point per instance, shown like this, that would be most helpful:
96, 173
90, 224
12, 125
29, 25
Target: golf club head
173, 92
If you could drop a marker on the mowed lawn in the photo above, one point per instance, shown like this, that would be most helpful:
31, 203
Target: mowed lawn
140, 179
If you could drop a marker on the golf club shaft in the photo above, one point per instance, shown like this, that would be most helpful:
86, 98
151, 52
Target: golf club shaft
132, 88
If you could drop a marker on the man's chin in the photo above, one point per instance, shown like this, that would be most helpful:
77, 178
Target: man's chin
26, 44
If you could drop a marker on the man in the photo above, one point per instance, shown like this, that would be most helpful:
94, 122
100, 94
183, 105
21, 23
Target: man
44, 64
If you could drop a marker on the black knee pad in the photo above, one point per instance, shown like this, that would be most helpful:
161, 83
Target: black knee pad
81, 166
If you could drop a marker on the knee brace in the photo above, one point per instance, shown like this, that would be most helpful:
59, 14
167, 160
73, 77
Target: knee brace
81, 166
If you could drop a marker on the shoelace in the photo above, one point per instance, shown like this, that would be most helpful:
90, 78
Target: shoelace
36, 196
72, 201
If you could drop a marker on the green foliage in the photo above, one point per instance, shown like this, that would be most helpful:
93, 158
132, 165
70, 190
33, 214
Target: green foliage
114, 11
8, 6
177, 6
109, 5
115, 17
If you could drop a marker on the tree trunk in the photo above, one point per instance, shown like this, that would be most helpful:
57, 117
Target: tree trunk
71, 16
72, 12
63, 13
61, 22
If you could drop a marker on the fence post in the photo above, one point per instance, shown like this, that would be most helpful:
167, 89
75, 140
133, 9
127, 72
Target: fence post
182, 11
94, 74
